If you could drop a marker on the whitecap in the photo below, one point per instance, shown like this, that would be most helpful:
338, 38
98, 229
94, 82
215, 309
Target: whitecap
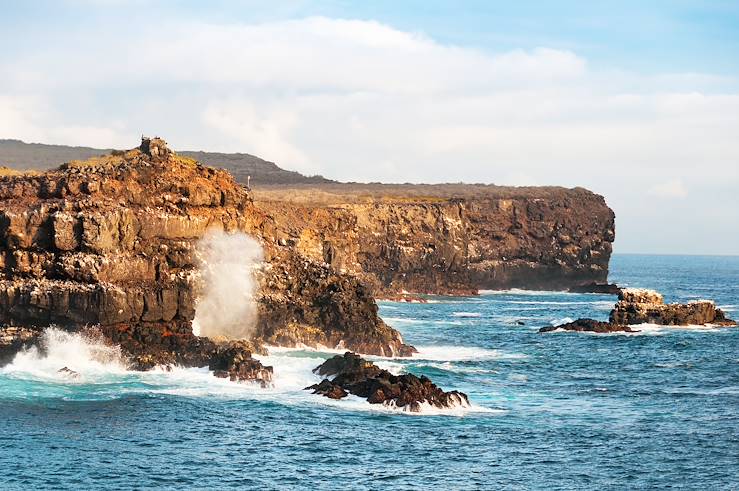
467, 314
517, 291
462, 353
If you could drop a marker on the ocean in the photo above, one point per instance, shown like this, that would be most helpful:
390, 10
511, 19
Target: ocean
654, 409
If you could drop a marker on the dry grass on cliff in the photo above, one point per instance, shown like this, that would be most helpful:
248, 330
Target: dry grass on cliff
7, 171
334, 194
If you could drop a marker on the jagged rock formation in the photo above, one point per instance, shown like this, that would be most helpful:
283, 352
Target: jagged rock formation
111, 242
641, 306
355, 375
307, 302
234, 361
433, 242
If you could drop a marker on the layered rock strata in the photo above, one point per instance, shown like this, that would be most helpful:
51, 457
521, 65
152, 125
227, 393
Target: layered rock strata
354, 375
448, 239
111, 242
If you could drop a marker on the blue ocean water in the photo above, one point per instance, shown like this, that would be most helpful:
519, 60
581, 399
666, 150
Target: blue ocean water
655, 409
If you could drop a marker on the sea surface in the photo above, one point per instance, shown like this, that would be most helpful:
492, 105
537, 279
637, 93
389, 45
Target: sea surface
650, 410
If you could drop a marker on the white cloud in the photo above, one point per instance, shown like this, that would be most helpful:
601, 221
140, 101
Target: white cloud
670, 189
360, 100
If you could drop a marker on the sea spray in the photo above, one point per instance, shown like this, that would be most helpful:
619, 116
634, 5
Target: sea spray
84, 353
226, 305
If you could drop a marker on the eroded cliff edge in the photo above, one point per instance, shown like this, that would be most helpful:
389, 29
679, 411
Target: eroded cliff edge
111, 241
449, 238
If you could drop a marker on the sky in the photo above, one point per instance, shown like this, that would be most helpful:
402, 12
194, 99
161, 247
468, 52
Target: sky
637, 101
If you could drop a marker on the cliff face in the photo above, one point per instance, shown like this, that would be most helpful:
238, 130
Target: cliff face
450, 238
111, 242
553, 238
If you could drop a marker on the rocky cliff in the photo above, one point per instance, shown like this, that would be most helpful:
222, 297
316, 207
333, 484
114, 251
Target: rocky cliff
449, 239
111, 242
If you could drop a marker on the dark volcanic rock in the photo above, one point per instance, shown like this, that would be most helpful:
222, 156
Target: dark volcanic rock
234, 361
357, 376
300, 295
604, 288
329, 389
588, 325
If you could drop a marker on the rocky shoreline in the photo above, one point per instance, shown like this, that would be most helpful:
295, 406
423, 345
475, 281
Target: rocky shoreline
111, 242
641, 306
109, 247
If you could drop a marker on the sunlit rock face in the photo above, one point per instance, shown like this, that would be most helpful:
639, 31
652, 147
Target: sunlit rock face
639, 306
113, 242
450, 238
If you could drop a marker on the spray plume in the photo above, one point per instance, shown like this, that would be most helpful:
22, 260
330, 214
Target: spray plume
226, 306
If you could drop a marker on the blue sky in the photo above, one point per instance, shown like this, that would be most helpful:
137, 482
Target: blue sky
638, 101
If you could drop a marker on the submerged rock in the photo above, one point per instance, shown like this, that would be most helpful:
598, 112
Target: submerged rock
68, 372
603, 288
588, 325
355, 375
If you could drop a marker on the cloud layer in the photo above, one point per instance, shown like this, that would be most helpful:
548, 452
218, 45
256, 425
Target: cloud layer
360, 100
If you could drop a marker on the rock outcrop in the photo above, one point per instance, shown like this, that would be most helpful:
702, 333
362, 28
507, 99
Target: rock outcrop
448, 239
588, 325
355, 375
641, 306
111, 242
601, 288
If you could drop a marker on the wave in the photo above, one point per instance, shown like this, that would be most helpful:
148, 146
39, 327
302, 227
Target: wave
518, 291
466, 314
599, 303
84, 355
99, 372
462, 353
651, 330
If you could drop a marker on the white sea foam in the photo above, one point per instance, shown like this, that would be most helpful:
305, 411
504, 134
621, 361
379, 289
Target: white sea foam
462, 353
101, 371
403, 320
467, 314
87, 356
517, 291
563, 320
600, 303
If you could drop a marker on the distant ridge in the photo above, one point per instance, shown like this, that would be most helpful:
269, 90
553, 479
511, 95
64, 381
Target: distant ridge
19, 155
